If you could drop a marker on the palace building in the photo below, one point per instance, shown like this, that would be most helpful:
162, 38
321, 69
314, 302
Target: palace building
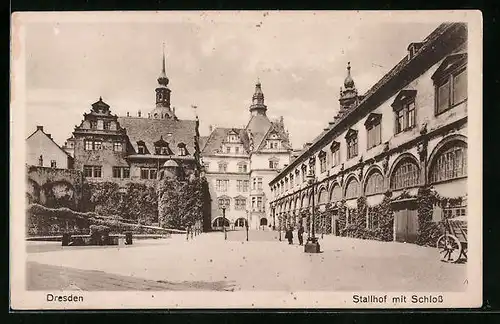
407, 132
107, 147
240, 162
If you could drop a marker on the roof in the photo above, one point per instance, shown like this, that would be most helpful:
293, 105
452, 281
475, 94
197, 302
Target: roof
280, 131
258, 125
214, 141
50, 138
151, 130
427, 45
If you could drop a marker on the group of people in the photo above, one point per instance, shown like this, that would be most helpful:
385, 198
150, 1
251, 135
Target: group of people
300, 234
193, 230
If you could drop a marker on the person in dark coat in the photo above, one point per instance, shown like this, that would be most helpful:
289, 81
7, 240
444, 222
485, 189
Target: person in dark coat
289, 235
300, 234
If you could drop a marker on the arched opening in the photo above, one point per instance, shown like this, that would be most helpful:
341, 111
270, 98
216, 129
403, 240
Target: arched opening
352, 189
263, 221
240, 222
406, 174
323, 197
374, 183
217, 222
336, 194
450, 162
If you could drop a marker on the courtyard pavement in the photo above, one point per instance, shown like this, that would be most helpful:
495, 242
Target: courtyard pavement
208, 262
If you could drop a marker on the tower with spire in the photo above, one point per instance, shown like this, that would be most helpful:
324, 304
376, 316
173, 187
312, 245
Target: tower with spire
258, 107
348, 96
162, 109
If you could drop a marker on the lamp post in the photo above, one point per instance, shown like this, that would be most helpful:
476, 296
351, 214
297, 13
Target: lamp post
224, 221
274, 218
280, 219
322, 209
246, 225
312, 244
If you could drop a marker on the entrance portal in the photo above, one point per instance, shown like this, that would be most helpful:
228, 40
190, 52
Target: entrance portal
406, 221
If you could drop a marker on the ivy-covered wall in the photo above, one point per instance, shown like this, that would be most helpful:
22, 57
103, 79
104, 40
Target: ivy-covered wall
182, 203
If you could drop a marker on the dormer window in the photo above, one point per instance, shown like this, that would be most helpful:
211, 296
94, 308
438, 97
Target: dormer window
182, 150
352, 143
228, 149
222, 167
242, 167
450, 81
141, 147
93, 124
107, 125
404, 110
373, 130
273, 163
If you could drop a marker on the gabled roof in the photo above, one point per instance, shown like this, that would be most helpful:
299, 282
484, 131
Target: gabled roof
152, 130
275, 128
258, 125
50, 138
214, 141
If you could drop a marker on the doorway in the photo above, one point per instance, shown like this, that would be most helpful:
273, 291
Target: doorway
406, 221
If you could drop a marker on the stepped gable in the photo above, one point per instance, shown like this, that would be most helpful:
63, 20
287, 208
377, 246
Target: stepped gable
152, 130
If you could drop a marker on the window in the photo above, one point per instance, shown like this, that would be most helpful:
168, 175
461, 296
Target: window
181, 149
87, 171
89, 146
374, 184
352, 189
260, 207
406, 175
221, 185
228, 149
242, 168
336, 156
121, 172
291, 181
352, 146
141, 149
97, 172
253, 203
97, 145
165, 150
207, 166
451, 212
451, 163
117, 147
322, 161
93, 124
240, 203
254, 183
224, 202
336, 194
117, 172
222, 167
242, 185
451, 91
297, 177
148, 173
304, 170
53, 164
237, 150
405, 117
245, 185
374, 133
107, 125
259, 183
273, 164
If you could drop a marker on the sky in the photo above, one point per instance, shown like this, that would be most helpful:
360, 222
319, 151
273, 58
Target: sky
213, 61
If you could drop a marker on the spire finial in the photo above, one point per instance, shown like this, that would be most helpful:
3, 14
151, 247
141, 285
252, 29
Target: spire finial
100, 98
163, 60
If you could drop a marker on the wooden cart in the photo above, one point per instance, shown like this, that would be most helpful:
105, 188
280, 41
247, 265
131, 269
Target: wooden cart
452, 245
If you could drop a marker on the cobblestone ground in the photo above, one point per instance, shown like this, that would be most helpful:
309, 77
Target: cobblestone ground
209, 262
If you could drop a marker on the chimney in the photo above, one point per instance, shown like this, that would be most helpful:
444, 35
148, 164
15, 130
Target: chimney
210, 128
49, 135
39, 128
173, 110
128, 114
139, 113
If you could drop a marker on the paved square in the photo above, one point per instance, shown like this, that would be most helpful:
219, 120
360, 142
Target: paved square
208, 262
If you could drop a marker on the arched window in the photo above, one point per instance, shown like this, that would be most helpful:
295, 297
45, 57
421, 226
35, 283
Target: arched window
352, 189
374, 183
336, 194
218, 222
450, 163
303, 202
405, 175
323, 196
240, 222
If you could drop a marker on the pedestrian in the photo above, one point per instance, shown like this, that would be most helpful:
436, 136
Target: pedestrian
300, 234
289, 235
187, 233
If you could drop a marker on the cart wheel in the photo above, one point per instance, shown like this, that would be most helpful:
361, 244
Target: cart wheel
449, 248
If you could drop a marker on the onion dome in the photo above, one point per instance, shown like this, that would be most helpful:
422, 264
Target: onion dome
349, 82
